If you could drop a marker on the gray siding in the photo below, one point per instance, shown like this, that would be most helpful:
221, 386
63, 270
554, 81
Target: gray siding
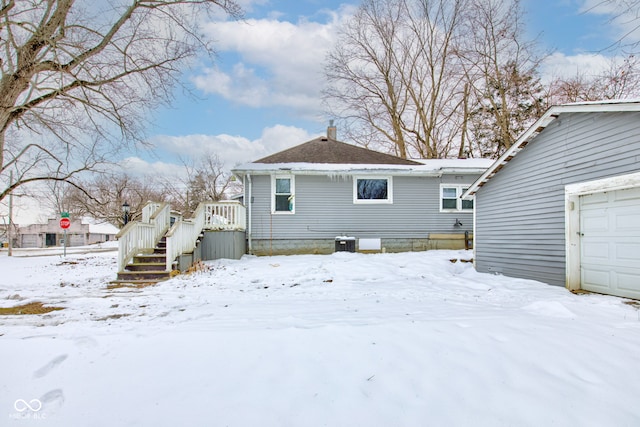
520, 220
222, 244
324, 209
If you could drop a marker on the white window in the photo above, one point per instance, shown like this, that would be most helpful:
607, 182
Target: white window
450, 200
373, 189
283, 194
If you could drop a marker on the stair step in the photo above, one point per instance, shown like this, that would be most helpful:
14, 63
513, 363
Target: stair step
133, 283
146, 266
145, 269
143, 275
149, 259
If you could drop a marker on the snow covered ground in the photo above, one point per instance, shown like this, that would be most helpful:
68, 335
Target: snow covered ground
327, 340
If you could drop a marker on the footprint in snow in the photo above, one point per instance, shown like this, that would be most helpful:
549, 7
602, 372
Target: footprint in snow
50, 366
52, 401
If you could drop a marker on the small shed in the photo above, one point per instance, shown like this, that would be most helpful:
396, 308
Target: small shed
562, 205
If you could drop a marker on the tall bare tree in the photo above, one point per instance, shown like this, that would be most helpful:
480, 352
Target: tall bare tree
435, 78
394, 74
80, 76
366, 87
501, 66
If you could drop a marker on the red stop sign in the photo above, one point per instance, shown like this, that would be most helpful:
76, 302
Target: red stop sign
65, 222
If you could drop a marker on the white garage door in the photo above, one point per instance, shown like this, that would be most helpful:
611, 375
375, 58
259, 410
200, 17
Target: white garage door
610, 242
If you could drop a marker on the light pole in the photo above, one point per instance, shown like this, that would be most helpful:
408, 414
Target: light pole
125, 212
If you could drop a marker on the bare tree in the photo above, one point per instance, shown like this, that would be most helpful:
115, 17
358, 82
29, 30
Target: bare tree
366, 89
621, 80
624, 14
105, 195
435, 78
79, 77
501, 67
395, 74
205, 180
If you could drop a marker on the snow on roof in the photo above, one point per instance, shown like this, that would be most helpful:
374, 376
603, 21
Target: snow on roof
456, 163
96, 227
428, 167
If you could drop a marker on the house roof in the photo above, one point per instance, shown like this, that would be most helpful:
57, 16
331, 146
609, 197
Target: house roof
327, 150
547, 118
101, 228
328, 156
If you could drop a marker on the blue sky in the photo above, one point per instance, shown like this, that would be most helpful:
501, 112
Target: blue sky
262, 94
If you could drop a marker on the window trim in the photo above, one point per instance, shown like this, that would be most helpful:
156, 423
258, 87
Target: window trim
292, 189
460, 189
387, 201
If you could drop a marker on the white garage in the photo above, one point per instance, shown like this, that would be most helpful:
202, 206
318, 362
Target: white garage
610, 242
603, 236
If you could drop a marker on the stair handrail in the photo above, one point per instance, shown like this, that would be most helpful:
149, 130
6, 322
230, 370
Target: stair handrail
183, 235
138, 236
149, 210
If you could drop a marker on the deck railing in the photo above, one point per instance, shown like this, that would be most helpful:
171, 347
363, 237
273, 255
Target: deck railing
184, 234
226, 215
139, 236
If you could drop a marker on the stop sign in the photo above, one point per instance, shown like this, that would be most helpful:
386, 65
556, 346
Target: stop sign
65, 222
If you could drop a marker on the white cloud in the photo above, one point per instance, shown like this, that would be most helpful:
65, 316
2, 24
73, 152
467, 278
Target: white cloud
276, 63
231, 150
136, 166
27, 210
561, 65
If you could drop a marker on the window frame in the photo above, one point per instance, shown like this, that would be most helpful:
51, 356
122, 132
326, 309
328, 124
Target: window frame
292, 192
460, 189
387, 201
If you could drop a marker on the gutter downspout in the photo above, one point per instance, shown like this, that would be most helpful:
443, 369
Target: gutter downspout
249, 197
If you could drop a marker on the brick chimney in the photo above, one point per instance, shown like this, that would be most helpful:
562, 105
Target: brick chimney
332, 131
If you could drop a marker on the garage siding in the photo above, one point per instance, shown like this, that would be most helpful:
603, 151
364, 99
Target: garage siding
520, 219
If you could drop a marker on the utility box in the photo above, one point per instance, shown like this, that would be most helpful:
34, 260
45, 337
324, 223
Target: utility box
345, 244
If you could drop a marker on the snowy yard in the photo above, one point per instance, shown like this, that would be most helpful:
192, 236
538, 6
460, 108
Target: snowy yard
329, 340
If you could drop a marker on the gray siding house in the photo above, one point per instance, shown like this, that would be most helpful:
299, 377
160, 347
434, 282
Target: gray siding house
324, 193
562, 205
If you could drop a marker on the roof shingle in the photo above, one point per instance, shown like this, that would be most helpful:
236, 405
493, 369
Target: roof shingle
327, 150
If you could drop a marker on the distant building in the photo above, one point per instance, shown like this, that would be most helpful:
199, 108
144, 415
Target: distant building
80, 233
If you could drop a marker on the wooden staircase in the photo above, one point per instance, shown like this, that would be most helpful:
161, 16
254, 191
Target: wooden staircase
142, 261
146, 268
